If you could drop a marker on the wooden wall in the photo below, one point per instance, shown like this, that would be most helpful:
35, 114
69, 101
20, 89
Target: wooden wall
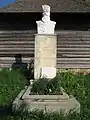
73, 48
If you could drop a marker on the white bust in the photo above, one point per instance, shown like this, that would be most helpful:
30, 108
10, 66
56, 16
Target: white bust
46, 13
45, 26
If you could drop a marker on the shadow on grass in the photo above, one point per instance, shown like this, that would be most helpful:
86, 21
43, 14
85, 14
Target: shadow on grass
28, 71
5, 110
29, 74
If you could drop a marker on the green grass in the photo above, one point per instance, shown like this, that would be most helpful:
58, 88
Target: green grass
11, 83
77, 85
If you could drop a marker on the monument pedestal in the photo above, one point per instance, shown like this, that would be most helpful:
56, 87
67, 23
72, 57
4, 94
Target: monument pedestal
45, 56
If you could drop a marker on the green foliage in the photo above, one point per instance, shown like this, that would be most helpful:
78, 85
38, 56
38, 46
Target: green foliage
11, 83
77, 85
39, 86
47, 86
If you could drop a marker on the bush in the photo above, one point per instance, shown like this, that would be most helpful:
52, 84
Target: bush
47, 86
11, 83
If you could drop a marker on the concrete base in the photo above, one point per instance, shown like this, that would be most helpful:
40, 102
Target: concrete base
50, 103
45, 53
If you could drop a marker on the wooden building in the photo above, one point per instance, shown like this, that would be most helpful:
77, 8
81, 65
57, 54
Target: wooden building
18, 26
56, 5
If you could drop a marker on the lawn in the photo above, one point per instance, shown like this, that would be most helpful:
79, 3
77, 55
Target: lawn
77, 85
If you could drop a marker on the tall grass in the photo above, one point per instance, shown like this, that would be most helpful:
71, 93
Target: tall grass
11, 83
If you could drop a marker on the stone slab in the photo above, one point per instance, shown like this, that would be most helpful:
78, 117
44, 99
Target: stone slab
52, 106
45, 52
49, 102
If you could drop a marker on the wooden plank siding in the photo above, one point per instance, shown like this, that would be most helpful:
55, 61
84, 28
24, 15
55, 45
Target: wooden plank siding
73, 48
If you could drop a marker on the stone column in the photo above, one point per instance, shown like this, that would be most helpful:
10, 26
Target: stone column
45, 55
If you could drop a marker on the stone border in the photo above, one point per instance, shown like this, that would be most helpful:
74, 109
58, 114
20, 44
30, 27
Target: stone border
45, 97
52, 106
18, 101
69, 103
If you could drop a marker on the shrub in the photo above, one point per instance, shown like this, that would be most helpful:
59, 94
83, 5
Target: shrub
47, 86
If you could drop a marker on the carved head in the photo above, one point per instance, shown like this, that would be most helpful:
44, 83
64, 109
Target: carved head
46, 10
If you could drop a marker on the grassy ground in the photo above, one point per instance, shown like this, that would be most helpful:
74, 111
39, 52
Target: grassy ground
11, 83
77, 85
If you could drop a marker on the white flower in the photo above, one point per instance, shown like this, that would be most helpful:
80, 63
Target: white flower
50, 90
31, 82
10, 69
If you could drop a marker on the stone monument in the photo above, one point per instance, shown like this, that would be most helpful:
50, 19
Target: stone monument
46, 26
45, 46
45, 65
